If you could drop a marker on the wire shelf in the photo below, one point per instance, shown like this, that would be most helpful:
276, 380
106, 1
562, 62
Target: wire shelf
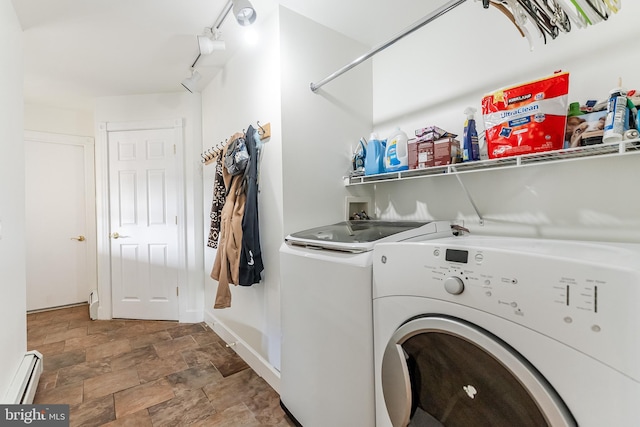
569, 154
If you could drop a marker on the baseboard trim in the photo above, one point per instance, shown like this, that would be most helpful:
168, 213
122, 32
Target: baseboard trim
59, 307
258, 363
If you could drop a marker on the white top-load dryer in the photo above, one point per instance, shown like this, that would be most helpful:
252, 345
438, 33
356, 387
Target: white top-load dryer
504, 331
327, 321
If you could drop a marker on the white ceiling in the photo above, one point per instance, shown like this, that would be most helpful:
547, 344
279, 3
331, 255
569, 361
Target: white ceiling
76, 50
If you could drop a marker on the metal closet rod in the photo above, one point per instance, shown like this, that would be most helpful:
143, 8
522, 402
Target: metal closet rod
419, 24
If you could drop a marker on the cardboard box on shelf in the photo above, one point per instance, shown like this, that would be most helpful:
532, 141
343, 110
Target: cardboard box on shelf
433, 133
446, 151
420, 154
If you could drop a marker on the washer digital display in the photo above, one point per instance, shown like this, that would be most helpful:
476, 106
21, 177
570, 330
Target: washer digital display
456, 255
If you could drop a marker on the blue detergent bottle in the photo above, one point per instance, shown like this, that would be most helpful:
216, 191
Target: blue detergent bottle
374, 161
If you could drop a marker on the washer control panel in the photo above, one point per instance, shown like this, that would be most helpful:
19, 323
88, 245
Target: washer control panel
586, 295
493, 276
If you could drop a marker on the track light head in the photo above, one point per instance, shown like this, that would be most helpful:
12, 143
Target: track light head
244, 12
190, 82
207, 45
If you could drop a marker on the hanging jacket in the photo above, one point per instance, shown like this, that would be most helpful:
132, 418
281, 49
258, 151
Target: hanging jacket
251, 255
225, 268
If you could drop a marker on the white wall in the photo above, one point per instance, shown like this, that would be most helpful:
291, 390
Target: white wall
169, 106
423, 80
320, 130
247, 90
302, 163
13, 305
42, 118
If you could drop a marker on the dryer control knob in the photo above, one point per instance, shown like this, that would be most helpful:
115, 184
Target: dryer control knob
454, 285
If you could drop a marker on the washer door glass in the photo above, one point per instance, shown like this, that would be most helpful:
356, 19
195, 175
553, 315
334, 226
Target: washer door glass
439, 371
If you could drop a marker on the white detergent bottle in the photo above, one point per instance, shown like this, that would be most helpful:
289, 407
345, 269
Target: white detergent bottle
396, 155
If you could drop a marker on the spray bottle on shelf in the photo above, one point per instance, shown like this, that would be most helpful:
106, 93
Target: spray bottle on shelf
470, 147
359, 156
374, 161
616, 115
396, 155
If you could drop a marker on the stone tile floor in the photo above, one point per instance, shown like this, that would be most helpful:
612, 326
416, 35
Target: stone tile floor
146, 373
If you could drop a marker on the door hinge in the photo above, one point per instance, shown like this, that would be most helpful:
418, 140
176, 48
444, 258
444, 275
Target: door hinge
177, 292
176, 219
174, 148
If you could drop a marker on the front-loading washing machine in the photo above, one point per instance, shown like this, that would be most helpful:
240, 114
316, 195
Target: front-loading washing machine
492, 331
326, 376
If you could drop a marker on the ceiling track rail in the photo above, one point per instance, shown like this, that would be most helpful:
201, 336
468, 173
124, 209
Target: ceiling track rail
417, 25
217, 25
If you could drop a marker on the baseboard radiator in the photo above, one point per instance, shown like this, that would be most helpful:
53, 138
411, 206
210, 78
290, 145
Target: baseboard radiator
24, 384
93, 305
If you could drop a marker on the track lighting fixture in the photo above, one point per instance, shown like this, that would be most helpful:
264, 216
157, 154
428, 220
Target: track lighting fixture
244, 12
208, 42
190, 82
245, 15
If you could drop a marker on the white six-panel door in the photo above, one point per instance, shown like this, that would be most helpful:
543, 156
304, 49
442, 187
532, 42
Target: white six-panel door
143, 224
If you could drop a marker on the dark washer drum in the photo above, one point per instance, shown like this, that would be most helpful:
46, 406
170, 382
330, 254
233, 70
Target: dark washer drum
440, 371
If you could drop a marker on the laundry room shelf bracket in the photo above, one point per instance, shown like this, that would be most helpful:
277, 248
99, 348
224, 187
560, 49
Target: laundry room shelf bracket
464, 188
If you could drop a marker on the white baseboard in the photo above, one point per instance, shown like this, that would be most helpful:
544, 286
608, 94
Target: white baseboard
258, 363
25, 382
190, 316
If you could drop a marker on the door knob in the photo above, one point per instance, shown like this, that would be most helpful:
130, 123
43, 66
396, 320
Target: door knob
116, 235
79, 238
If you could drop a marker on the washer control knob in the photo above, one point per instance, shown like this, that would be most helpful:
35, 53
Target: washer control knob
454, 285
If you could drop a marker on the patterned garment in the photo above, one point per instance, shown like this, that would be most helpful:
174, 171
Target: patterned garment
219, 196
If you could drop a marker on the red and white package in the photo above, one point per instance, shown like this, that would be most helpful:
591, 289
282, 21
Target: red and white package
527, 118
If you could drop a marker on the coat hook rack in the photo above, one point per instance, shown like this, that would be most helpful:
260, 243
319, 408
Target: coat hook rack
210, 155
264, 130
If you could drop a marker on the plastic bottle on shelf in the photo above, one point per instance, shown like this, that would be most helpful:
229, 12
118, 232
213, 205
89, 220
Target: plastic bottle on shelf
374, 161
396, 155
482, 146
616, 116
470, 147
